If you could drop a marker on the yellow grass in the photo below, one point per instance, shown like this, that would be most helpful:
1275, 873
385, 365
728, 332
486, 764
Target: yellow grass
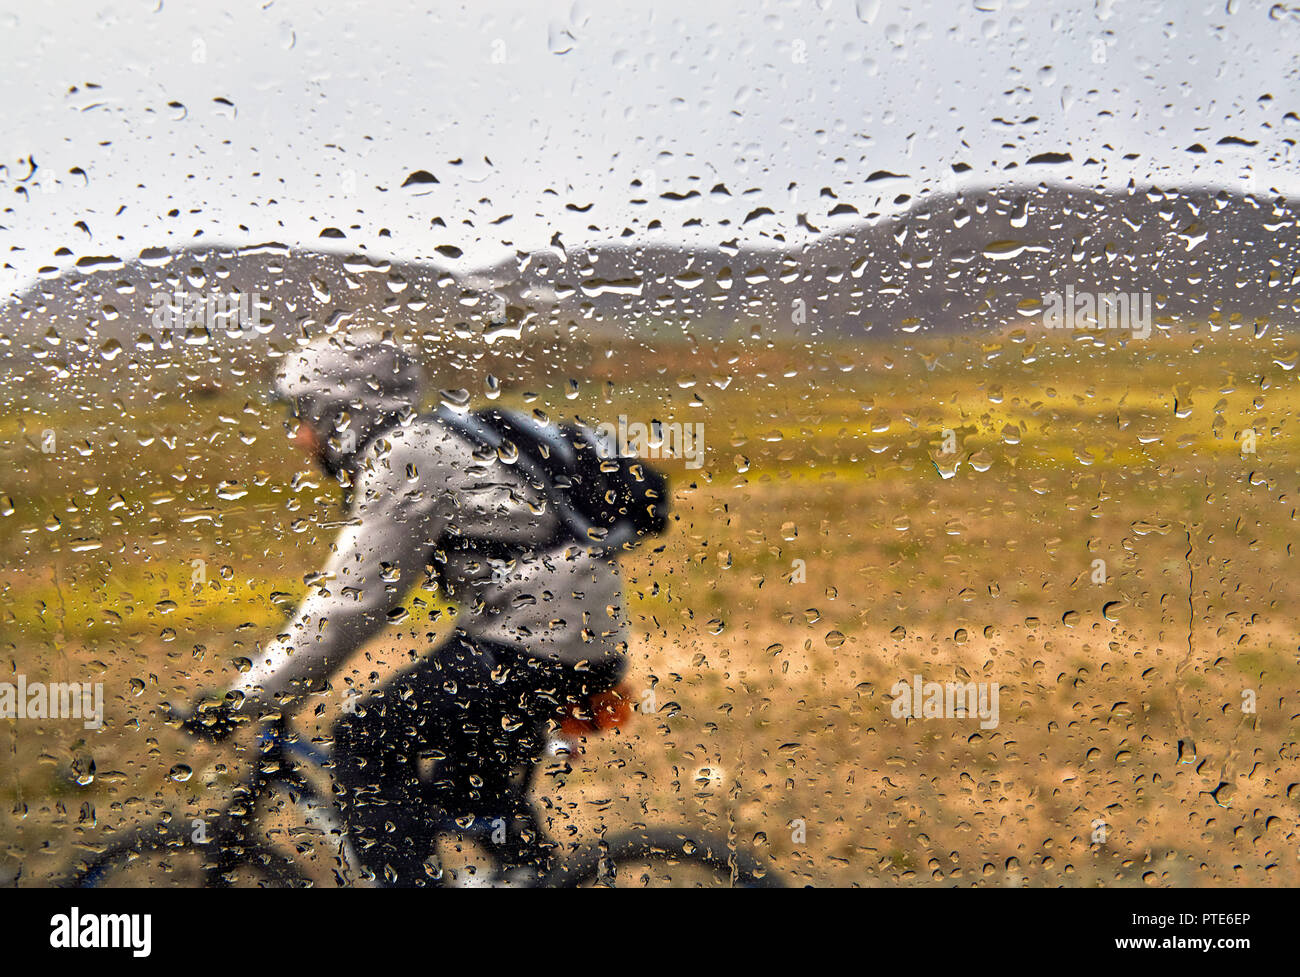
771, 678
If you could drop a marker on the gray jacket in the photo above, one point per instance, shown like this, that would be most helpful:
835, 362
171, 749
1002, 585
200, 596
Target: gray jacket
417, 489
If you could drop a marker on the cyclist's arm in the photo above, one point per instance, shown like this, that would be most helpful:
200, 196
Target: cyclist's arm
375, 560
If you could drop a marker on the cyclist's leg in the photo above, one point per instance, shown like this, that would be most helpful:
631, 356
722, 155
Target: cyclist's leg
377, 752
514, 719
493, 729
482, 733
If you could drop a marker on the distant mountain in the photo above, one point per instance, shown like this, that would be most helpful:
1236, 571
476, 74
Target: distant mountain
973, 260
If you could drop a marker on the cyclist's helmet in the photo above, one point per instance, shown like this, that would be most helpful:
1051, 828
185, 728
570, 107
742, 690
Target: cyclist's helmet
348, 386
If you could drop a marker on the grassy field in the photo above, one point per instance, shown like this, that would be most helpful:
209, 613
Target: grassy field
828, 548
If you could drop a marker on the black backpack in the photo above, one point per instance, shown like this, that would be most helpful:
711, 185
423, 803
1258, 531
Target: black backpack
601, 497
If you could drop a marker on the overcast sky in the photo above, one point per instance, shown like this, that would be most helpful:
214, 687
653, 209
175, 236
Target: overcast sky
555, 109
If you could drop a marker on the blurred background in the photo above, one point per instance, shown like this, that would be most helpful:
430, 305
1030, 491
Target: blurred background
830, 233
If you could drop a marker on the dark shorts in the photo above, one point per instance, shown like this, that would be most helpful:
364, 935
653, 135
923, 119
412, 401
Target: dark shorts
449, 738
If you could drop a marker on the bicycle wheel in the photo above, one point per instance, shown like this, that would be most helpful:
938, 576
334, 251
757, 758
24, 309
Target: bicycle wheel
159, 856
663, 858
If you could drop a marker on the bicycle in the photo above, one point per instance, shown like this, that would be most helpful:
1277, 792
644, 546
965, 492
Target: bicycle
239, 849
